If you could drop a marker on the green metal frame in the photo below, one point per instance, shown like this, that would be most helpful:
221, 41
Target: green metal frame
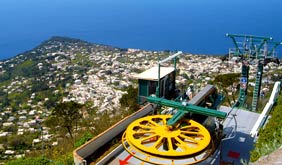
142, 90
256, 92
256, 48
174, 56
275, 45
252, 39
183, 109
243, 91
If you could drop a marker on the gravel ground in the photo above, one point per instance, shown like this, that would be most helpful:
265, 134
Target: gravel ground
275, 158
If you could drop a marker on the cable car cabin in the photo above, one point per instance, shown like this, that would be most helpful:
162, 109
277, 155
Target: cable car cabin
148, 83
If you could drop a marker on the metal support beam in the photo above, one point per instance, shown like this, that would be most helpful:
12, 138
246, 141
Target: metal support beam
158, 92
248, 36
260, 46
188, 107
252, 39
276, 44
171, 57
236, 45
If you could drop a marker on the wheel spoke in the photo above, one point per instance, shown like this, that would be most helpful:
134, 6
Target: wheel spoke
145, 127
153, 123
191, 133
169, 141
164, 121
148, 138
181, 143
158, 143
143, 132
191, 140
188, 126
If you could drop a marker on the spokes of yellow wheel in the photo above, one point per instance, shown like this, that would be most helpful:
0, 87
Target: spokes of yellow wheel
151, 135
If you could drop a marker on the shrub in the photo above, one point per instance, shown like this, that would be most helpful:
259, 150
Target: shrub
129, 100
87, 136
270, 137
30, 161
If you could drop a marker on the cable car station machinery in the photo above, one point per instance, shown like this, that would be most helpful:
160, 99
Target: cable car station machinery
248, 50
188, 136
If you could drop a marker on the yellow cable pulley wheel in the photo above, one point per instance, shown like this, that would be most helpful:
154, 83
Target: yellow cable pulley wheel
151, 135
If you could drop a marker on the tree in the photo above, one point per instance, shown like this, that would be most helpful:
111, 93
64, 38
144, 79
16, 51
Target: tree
66, 115
130, 99
20, 142
226, 80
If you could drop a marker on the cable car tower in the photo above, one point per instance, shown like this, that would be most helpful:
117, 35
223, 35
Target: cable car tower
252, 50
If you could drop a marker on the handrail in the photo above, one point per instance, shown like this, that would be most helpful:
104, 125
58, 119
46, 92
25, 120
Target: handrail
266, 109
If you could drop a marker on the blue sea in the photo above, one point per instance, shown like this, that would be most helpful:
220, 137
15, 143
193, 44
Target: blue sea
194, 26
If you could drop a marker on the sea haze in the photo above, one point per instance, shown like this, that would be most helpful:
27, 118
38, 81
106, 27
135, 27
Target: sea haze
195, 26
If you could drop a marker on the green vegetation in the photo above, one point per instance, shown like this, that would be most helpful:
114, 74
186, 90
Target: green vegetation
91, 126
66, 115
81, 62
129, 100
22, 142
30, 161
26, 69
225, 81
86, 137
270, 137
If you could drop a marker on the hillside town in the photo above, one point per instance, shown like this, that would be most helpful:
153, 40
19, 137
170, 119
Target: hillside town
74, 70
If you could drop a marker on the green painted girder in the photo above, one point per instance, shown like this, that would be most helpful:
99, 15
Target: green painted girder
176, 117
217, 101
256, 91
275, 45
238, 51
248, 36
187, 108
243, 92
262, 40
